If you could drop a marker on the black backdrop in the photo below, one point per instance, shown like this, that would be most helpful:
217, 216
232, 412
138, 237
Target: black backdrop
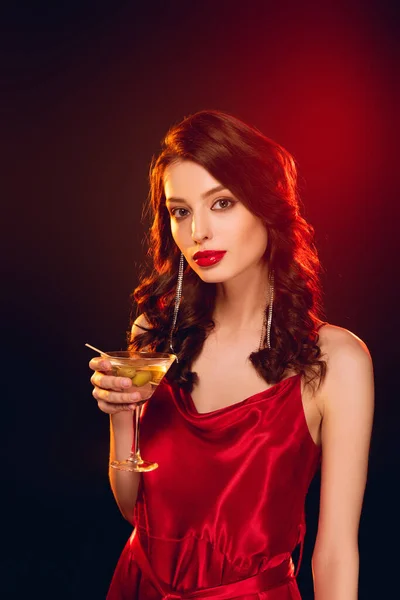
88, 90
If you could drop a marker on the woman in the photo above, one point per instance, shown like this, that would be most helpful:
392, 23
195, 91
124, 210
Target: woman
262, 393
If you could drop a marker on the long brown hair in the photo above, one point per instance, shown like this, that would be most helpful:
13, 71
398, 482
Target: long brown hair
263, 176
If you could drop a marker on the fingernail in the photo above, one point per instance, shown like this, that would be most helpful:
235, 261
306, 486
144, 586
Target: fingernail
126, 383
131, 406
135, 396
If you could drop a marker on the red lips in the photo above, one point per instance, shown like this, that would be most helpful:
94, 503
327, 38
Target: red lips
208, 257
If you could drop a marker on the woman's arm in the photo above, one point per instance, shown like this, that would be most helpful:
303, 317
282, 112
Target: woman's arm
347, 401
124, 484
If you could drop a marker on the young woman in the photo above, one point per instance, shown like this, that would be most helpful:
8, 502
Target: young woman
263, 393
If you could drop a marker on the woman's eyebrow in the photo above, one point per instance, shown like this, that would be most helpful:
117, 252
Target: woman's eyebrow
210, 192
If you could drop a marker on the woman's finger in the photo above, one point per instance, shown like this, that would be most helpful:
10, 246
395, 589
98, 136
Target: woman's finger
100, 364
112, 409
110, 382
112, 397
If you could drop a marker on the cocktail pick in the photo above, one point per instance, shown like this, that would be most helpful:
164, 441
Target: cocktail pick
97, 350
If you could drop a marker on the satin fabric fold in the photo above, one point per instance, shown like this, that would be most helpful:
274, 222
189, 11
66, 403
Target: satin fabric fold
261, 582
227, 501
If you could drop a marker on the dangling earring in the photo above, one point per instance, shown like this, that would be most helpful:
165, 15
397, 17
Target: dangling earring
268, 320
178, 296
270, 307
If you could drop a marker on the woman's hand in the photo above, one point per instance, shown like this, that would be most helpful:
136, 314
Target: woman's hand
114, 394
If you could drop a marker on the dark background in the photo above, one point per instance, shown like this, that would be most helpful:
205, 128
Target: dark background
88, 91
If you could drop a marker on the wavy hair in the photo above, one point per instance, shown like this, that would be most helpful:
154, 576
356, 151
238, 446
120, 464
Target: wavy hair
263, 176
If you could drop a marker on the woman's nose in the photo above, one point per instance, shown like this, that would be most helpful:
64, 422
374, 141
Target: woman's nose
201, 228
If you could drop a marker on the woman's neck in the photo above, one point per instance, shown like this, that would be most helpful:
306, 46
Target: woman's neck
240, 302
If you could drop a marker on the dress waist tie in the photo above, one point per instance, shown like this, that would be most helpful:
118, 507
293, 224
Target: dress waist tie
261, 582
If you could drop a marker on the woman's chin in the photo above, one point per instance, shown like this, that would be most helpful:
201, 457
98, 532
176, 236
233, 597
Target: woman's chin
211, 277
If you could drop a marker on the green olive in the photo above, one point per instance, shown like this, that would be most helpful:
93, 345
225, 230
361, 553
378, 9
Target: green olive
141, 378
126, 371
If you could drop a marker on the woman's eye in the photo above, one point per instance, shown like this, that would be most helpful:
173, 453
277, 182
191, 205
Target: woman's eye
223, 202
177, 213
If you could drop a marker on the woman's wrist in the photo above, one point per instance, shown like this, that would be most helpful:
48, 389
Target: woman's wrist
122, 420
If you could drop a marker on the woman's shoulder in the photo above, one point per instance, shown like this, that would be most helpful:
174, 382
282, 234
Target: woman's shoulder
347, 358
140, 325
336, 341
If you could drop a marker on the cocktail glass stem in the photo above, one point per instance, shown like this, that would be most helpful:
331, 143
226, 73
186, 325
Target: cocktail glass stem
135, 455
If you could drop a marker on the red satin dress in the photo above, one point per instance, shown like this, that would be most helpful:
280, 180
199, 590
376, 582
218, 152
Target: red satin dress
224, 511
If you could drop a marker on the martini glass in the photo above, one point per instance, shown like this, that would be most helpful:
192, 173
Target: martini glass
146, 370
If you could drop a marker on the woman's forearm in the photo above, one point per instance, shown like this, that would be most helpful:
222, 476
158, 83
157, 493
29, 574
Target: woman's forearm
124, 484
336, 577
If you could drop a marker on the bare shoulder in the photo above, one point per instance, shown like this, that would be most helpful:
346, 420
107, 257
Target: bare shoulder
139, 325
340, 345
348, 361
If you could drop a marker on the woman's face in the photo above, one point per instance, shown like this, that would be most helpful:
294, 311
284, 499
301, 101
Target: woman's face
205, 216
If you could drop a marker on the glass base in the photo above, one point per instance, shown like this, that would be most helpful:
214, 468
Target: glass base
135, 464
